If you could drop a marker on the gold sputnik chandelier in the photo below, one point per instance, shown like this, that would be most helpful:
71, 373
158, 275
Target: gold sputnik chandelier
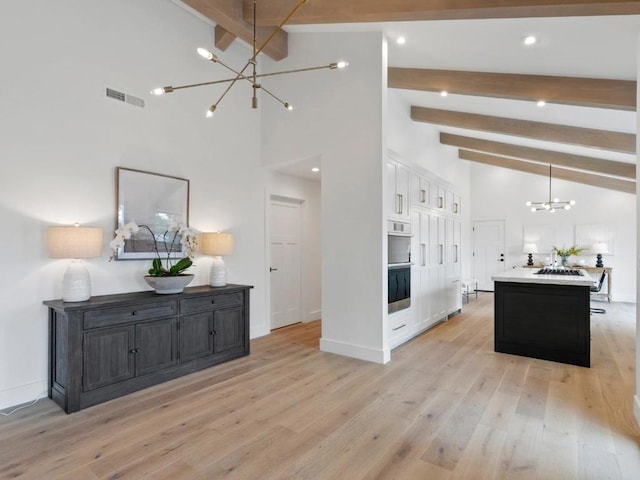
251, 63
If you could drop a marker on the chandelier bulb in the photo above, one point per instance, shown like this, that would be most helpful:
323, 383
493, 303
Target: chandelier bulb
556, 200
157, 91
342, 64
528, 204
204, 53
534, 209
288, 106
547, 206
567, 207
572, 202
211, 110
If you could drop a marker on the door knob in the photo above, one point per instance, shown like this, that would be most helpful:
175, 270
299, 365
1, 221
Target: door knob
272, 269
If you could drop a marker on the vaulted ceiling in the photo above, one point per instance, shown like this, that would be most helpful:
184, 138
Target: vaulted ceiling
584, 66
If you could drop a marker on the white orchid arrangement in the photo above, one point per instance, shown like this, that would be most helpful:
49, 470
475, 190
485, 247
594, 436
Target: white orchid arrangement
177, 235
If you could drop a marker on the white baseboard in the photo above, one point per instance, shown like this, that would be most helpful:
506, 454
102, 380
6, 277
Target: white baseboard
22, 394
636, 408
314, 315
259, 331
355, 351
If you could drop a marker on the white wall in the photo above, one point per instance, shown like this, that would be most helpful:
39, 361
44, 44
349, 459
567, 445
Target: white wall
338, 116
636, 263
61, 141
308, 193
500, 193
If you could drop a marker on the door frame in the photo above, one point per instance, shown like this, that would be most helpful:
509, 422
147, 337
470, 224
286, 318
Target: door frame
270, 197
473, 242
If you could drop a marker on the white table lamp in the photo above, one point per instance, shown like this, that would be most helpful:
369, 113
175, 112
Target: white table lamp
599, 248
530, 248
217, 244
75, 243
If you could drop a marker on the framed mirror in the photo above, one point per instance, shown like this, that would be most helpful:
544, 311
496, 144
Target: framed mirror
152, 199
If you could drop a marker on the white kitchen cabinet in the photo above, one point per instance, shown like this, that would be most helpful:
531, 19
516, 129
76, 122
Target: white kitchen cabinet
398, 177
420, 191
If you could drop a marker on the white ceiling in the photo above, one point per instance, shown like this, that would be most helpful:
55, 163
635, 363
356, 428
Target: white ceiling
598, 47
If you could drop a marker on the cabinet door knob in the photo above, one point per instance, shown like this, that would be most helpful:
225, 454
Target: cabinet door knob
212, 332
134, 313
133, 350
213, 301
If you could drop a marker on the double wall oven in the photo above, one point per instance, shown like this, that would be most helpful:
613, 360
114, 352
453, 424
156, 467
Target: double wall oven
399, 265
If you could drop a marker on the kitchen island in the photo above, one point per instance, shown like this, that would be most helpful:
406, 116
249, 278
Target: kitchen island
543, 315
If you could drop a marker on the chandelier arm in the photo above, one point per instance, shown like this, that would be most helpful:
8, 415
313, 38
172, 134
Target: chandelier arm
276, 29
284, 104
297, 70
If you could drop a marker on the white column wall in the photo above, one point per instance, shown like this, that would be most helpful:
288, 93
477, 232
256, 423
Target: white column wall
62, 139
636, 264
338, 116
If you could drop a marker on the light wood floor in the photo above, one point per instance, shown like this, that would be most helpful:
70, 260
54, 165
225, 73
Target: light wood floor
446, 407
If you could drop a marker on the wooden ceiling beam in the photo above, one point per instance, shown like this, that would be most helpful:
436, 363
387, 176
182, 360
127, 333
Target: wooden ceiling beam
228, 15
611, 183
223, 38
356, 11
580, 162
550, 132
586, 92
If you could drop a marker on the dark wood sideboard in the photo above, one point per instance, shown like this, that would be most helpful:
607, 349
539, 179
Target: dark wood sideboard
112, 345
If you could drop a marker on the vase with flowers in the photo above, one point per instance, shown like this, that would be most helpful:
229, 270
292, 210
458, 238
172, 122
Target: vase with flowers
164, 276
565, 253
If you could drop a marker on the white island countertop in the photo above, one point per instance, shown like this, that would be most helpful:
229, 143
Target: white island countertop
529, 275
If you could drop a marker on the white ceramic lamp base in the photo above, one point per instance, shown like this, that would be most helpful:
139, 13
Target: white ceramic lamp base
76, 283
218, 274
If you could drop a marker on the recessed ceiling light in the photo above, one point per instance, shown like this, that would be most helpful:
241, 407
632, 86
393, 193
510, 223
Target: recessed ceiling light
530, 40
315, 169
401, 40
444, 93
541, 103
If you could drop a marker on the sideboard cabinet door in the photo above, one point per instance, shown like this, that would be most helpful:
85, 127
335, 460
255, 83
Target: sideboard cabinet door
228, 326
196, 336
156, 345
108, 356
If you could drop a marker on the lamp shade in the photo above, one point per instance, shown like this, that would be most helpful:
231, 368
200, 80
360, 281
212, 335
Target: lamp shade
529, 248
599, 247
216, 243
74, 242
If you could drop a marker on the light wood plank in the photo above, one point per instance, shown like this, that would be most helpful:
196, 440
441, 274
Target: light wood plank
586, 137
586, 92
601, 181
291, 411
355, 11
569, 160
228, 15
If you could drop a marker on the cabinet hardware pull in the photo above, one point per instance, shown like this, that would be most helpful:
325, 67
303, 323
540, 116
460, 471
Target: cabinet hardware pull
272, 269
423, 196
213, 301
134, 313
440, 202
398, 203
398, 328
212, 332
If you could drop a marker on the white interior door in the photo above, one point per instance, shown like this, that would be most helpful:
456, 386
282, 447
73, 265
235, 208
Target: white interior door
488, 252
285, 263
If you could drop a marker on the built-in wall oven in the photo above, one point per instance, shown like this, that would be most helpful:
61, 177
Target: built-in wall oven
399, 265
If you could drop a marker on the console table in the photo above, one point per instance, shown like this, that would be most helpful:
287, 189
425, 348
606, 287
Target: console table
113, 345
592, 270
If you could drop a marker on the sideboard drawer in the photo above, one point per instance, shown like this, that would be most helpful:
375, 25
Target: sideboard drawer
114, 316
199, 304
